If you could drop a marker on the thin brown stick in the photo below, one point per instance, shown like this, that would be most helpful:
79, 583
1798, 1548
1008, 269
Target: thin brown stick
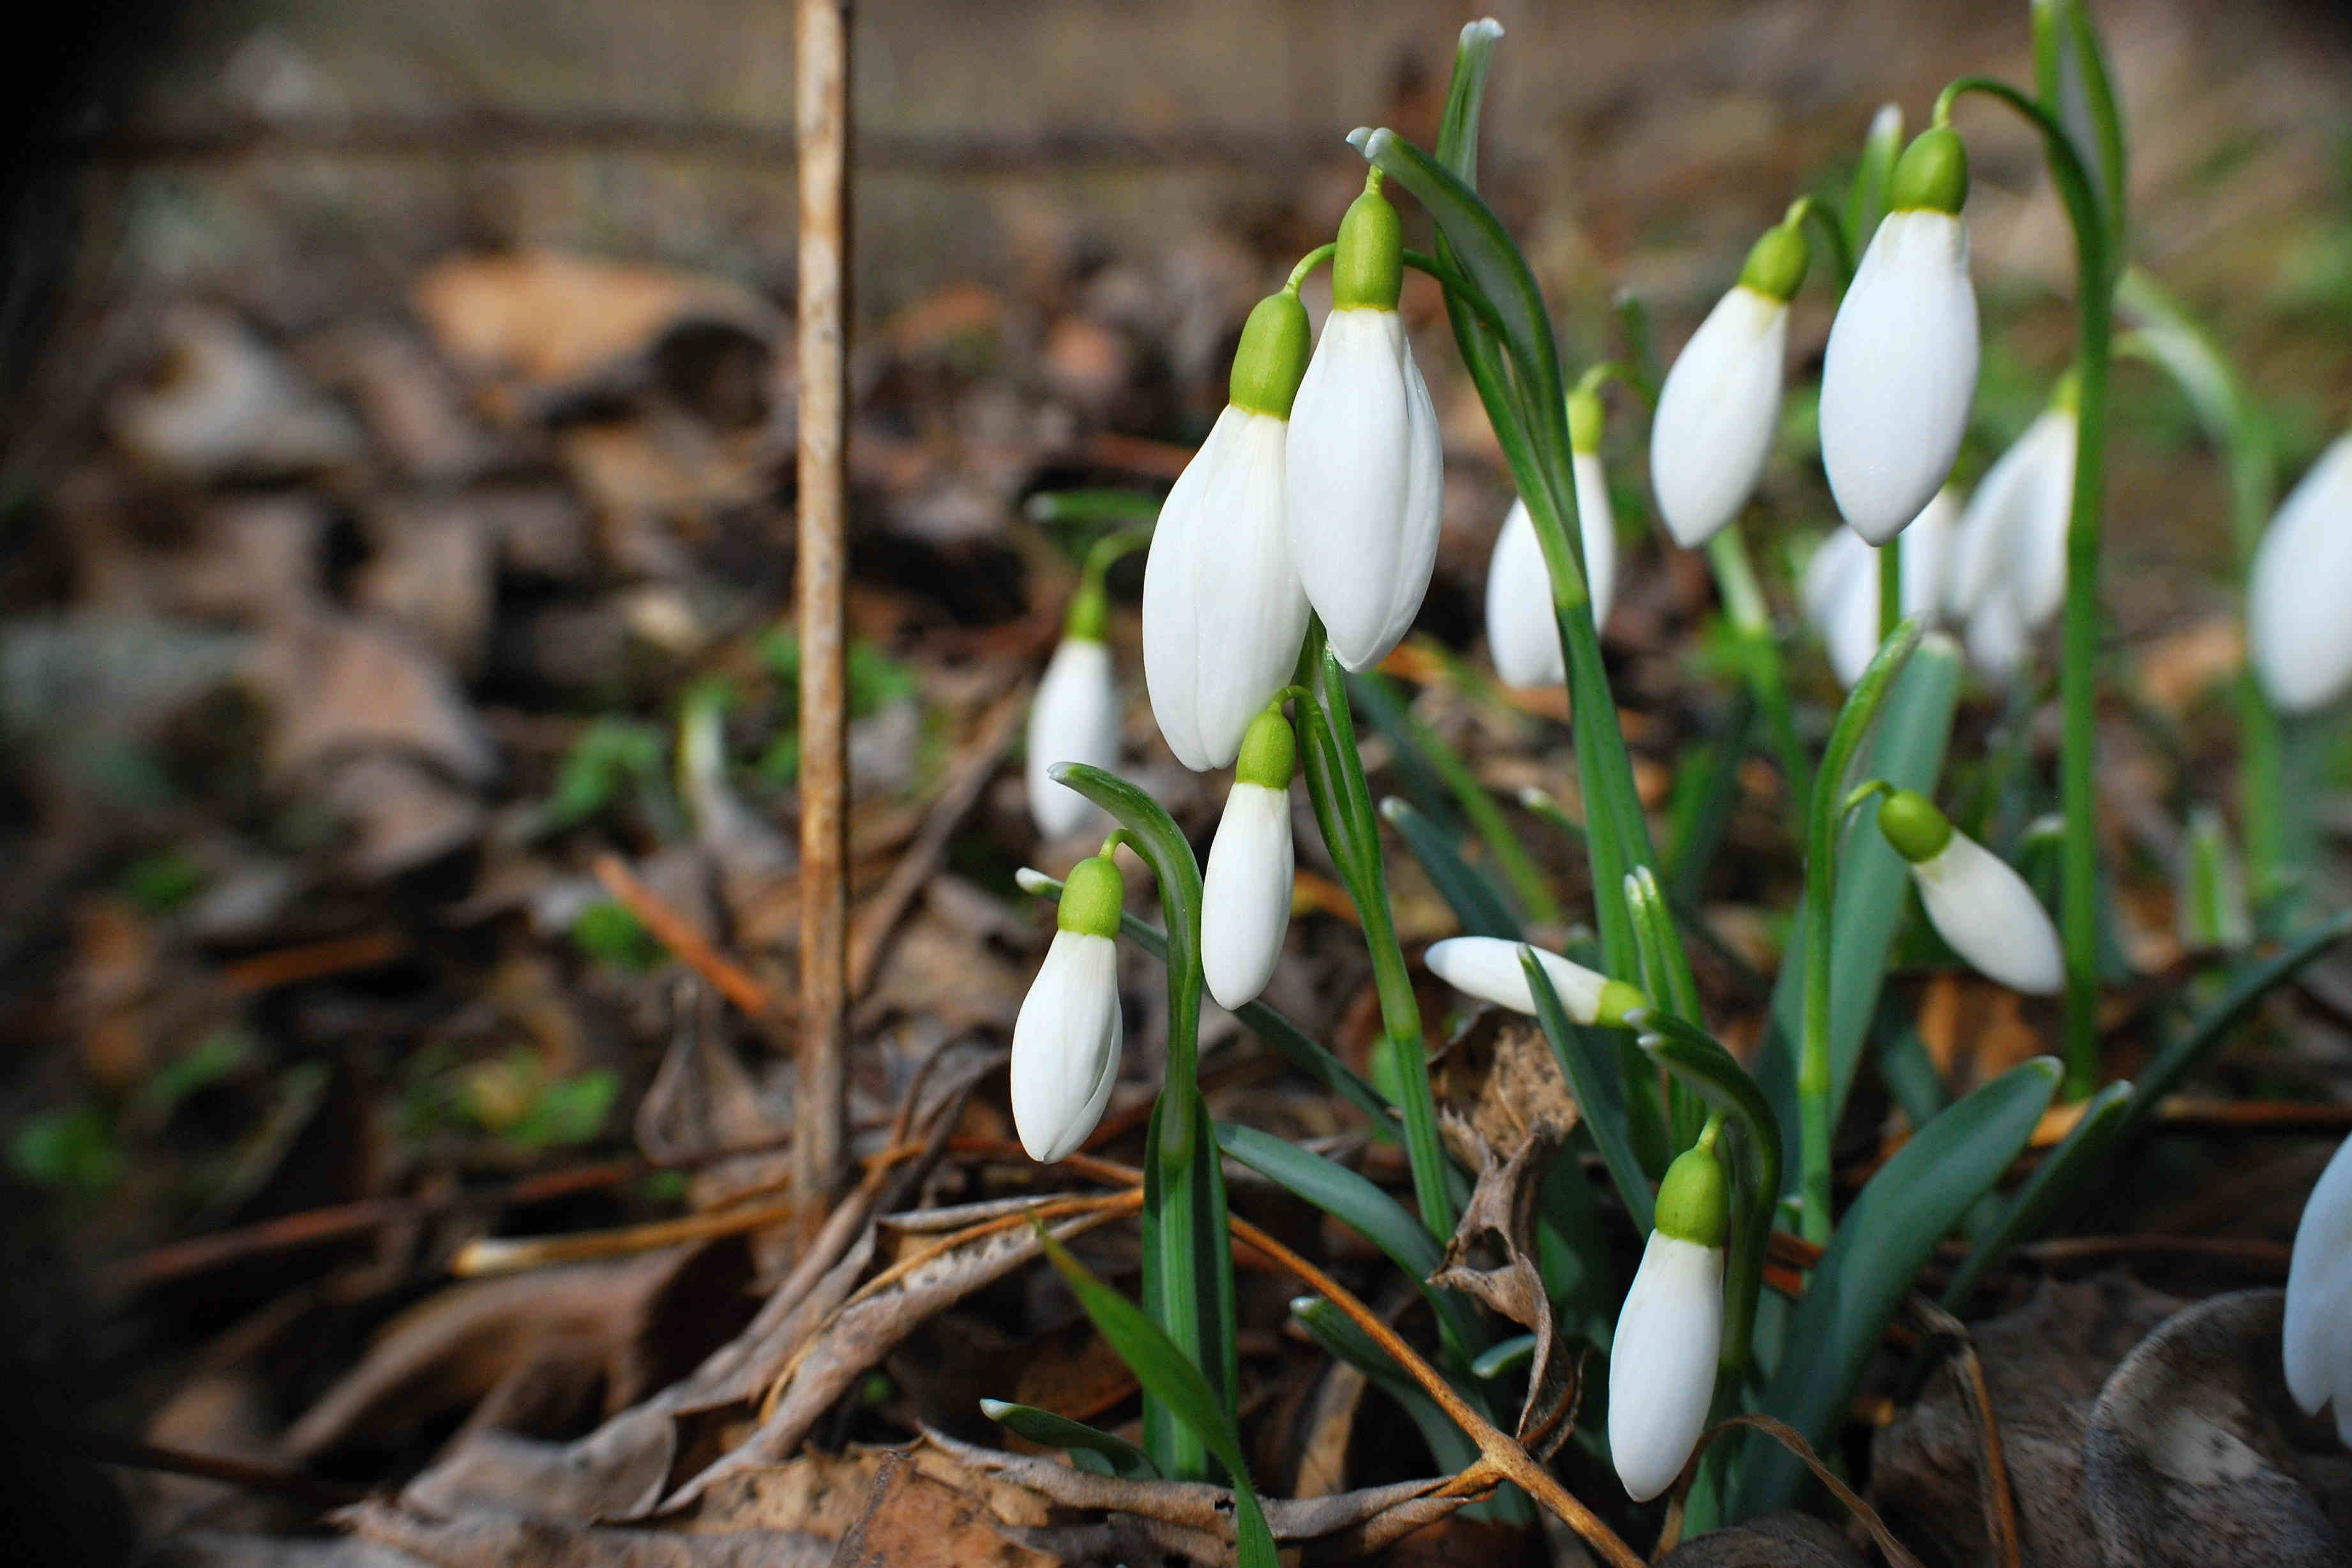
129, 1453
1501, 1453
1794, 1441
1999, 1502
671, 929
313, 961
821, 114
513, 1254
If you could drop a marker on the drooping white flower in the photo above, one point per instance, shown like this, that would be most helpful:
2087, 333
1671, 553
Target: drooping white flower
1487, 967
1662, 1363
1074, 718
1066, 1040
1840, 588
2012, 537
1900, 369
2297, 633
2317, 1337
1522, 634
1246, 892
1977, 903
1721, 401
1223, 613
1366, 471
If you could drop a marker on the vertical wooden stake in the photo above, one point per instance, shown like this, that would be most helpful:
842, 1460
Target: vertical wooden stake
820, 108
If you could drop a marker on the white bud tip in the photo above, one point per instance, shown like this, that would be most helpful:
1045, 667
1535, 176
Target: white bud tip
1534, 799
1486, 29
1359, 137
1029, 880
1392, 808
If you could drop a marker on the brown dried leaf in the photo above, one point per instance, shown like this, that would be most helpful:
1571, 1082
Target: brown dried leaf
340, 685
221, 402
1775, 1541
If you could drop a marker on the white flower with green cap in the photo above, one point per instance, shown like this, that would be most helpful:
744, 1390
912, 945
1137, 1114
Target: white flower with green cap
1245, 893
1075, 717
1522, 636
1980, 906
1670, 1332
1367, 473
1721, 401
1901, 368
2297, 633
2317, 1332
1487, 967
1065, 1041
1224, 614
2012, 542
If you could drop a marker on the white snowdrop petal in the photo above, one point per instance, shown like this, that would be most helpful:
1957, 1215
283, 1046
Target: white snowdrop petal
1521, 636
1927, 547
1596, 516
1365, 483
1717, 414
1223, 613
1662, 1363
1899, 373
1839, 593
2298, 636
2317, 1335
2012, 536
1245, 893
1990, 918
1065, 1046
1997, 640
1487, 967
1074, 718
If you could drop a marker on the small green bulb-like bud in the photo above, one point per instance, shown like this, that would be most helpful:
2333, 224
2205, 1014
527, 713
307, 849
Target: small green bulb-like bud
1932, 173
1272, 359
1617, 999
1913, 824
1088, 614
1368, 269
1776, 263
1585, 420
1269, 752
1092, 897
1694, 1200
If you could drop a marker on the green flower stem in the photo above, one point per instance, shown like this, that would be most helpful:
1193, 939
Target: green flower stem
1890, 586
2096, 267
1831, 227
1743, 603
1307, 264
1824, 816
2233, 423
1343, 808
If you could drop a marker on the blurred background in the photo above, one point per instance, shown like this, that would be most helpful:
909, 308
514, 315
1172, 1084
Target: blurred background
395, 462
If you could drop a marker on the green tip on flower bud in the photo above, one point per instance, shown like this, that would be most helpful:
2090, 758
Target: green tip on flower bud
1272, 359
1091, 898
1585, 420
1694, 1200
1368, 271
1776, 263
2067, 396
1269, 752
1913, 824
1932, 173
1088, 614
1617, 1000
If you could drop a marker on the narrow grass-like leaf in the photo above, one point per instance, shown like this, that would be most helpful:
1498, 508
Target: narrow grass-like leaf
1892, 1229
1371, 1213
2078, 1154
1331, 1329
1499, 1359
1481, 906
1088, 1449
1592, 1077
1169, 1376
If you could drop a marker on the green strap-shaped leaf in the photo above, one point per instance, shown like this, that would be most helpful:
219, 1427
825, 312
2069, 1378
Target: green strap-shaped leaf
1089, 1449
1171, 1379
1593, 1076
2079, 1153
1481, 906
1892, 1229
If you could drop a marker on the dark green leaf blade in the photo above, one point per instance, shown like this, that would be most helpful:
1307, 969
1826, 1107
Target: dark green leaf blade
1120, 1457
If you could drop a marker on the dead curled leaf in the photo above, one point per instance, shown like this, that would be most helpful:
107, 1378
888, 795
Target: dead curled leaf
1775, 1541
1500, 1224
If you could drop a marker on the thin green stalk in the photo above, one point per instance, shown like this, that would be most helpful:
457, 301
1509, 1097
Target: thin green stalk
1824, 820
1743, 603
2078, 671
1832, 228
1890, 586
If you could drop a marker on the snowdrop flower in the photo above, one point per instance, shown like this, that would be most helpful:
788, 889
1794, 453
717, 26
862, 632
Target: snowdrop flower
1721, 401
2012, 537
1075, 717
1980, 906
2318, 1329
1245, 893
1223, 611
1521, 632
2297, 632
1366, 472
1901, 367
1487, 967
1839, 589
1670, 1332
1065, 1041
